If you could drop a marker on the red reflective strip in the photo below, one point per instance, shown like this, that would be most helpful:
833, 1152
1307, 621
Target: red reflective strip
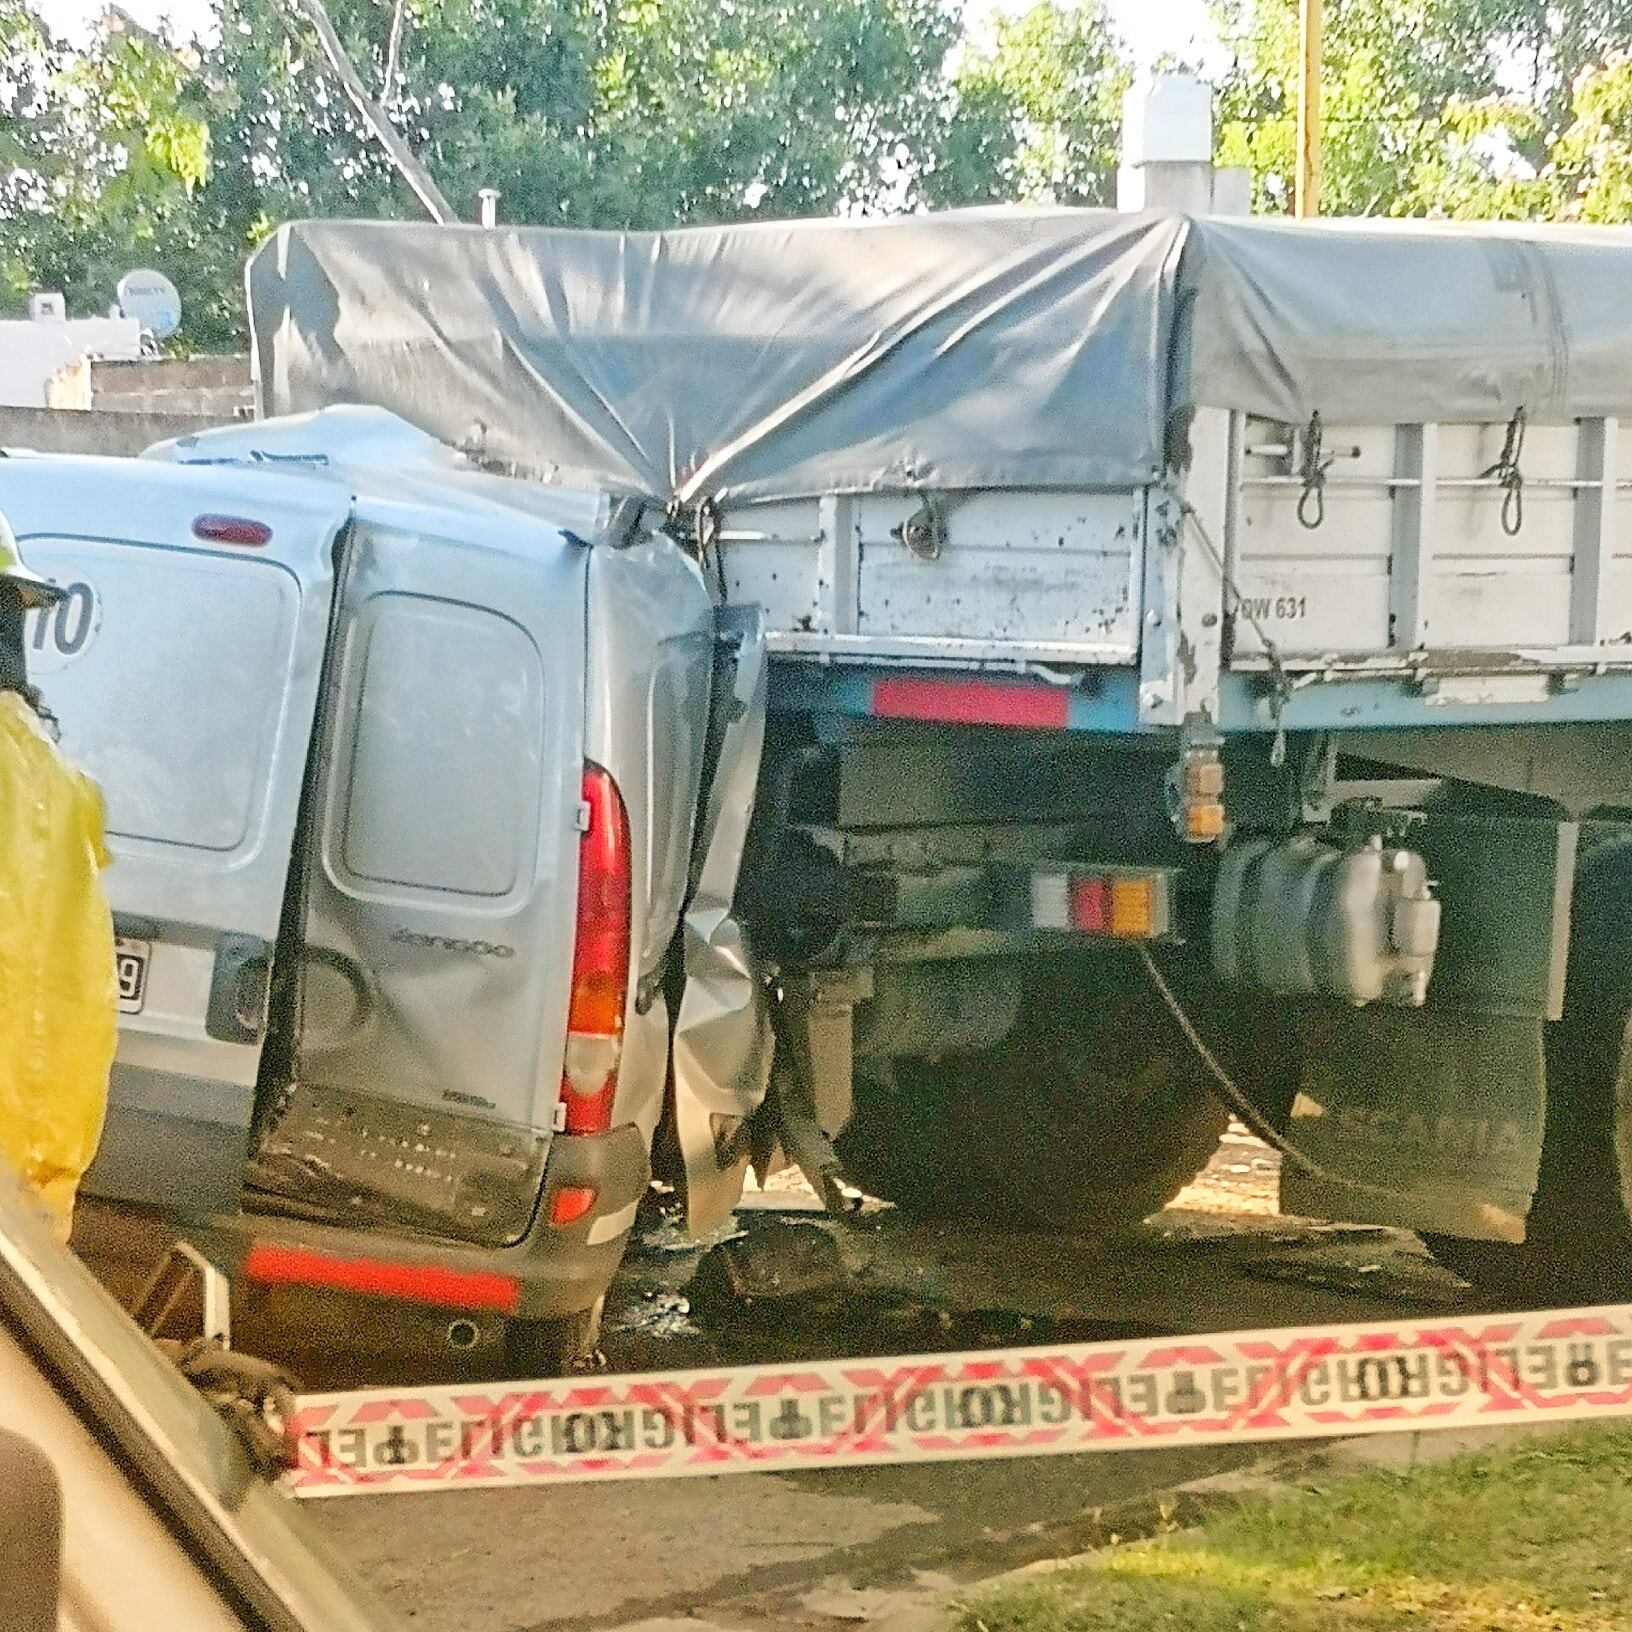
971, 702
376, 1278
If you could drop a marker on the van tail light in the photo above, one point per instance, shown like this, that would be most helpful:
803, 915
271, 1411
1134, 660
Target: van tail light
600, 959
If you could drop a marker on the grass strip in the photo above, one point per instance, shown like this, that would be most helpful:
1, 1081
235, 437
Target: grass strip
1533, 1538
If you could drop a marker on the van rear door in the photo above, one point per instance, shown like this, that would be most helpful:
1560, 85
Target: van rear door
184, 666
441, 901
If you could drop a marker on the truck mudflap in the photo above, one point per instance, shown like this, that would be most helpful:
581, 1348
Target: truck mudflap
722, 1034
1458, 1155
1432, 1119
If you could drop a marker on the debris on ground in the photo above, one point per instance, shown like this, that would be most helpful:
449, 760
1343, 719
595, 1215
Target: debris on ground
780, 1262
1364, 1280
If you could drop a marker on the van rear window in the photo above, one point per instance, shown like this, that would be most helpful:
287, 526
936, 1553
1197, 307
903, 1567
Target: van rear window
446, 749
173, 699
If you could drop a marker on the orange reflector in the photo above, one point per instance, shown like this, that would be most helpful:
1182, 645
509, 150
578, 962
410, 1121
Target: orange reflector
570, 1203
1203, 822
1133, 910
1203, 779
1200, 818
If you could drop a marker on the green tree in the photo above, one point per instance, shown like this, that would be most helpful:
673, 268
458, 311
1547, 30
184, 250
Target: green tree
1037, 113
633, 113
1391, 68
1591, 168
106, 155
1454, 107
766, 107
30, 139
1546, 45
628, 113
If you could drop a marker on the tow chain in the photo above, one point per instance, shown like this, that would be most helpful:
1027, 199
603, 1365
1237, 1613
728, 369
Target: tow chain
1237, 1099
1280, 681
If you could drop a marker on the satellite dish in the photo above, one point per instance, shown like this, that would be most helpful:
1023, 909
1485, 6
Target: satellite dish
151, 298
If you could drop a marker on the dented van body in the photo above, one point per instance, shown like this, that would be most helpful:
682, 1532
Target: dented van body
359, 711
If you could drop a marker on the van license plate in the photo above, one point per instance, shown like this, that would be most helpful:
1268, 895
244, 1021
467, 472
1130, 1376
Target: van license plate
130, 969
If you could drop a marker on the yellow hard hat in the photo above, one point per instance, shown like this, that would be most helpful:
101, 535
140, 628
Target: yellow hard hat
29, 587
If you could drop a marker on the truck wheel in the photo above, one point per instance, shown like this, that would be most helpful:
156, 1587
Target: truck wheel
552, 1348
1087, 1118
897, 1146
1578, 1244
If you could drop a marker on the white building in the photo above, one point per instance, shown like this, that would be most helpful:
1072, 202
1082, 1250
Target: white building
36, 349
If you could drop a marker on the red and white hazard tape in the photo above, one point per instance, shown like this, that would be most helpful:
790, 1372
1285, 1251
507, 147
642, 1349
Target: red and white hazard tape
1293, 1383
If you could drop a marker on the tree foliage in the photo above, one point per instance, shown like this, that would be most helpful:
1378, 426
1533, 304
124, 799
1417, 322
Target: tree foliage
1472, 108
1038, 111
643, 113
627, 113
1591, 170
104, 155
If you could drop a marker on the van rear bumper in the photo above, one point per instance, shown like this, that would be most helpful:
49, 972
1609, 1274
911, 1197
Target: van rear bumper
553, 1270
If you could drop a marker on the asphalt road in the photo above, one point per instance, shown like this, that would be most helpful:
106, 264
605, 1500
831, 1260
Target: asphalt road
792, 1549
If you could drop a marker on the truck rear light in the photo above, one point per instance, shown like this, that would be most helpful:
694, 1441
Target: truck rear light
238, 530
274, 1265
1090, 903
570, 1203
1197, 781
1124, 903
600, 960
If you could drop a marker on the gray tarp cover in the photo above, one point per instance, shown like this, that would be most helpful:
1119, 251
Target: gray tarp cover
775, 360
1405, 322
973, 349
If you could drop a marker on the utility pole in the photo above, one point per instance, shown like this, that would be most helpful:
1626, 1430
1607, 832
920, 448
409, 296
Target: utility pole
1306, 184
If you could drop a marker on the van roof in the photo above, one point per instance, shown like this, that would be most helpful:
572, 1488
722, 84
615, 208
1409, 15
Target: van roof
359, 463
398, 475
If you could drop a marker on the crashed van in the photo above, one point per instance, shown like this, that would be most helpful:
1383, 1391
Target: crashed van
401, 762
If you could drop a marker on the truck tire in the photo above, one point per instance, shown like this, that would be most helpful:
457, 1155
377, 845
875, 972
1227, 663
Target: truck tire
1578, 1245
1086, 1119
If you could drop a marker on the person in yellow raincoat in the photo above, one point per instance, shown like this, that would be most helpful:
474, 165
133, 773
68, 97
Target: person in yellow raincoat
58, 1001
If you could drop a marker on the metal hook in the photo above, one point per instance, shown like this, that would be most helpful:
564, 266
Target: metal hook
924, 531
1313, 467
1506, 471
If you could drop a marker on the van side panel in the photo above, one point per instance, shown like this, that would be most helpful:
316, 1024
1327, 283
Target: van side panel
650, 663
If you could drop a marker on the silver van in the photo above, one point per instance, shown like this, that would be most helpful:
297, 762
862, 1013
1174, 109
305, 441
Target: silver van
402, 763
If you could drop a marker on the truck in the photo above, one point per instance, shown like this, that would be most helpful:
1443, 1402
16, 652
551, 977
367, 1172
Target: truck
964, 704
